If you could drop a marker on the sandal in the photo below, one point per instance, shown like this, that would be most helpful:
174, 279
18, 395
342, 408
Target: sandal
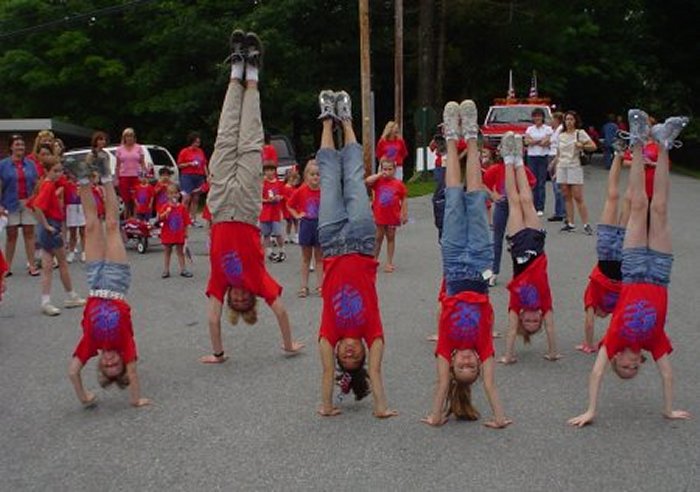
319, 291
303, 292
34, 272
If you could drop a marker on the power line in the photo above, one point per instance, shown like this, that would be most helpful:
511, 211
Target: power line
89, 16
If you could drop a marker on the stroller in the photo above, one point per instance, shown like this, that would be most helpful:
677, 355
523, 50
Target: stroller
137, 232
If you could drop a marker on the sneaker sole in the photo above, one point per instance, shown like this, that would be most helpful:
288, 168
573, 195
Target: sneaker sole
469, 116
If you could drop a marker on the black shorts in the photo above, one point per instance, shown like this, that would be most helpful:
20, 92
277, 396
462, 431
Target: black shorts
611, 269
525, 246
308, 232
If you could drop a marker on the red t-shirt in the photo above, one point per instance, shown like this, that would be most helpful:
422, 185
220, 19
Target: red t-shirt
237, 260
98, 194
495, 178
287, 192
189, 154
271, 211
650, 154
306, 201
174, 225
393, 150
70, 193
389, 193
350, 305
106, 326
466, 322
161, 193
530, 290
143, 196
22, 192
269, 153
39, 168
47, 201
638, 321
602, 292
461, 147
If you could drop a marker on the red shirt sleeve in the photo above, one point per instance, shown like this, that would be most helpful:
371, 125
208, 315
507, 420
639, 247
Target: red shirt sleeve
379, 152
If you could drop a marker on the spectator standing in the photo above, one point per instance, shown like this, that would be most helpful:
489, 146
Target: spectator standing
392, 147
192, 163
130, 163
537, 139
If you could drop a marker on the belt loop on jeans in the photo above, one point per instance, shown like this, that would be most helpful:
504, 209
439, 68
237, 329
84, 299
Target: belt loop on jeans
107, 294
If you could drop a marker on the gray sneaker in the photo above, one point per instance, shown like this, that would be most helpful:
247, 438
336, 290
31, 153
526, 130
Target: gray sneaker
507, 146
639, 126
450, 120
100, 163
468, 115
343, 106
77, 167
666, 133
326, 101
587, 229
619, 146
236, 45
519, 147
252, 47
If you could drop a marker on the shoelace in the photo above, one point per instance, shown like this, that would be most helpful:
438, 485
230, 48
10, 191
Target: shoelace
672, 144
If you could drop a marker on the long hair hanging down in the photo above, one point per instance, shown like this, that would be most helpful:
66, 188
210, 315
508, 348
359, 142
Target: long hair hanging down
356, 380
459, 400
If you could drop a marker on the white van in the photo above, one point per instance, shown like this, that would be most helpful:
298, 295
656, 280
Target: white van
156, 157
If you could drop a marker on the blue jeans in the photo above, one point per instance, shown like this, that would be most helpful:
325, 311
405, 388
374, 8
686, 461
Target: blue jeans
467, 249
538, 166
559, 206
645, 265
345, 219
609, 242
607, 156
500, 220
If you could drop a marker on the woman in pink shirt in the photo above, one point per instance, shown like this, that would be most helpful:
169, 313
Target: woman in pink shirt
130, 163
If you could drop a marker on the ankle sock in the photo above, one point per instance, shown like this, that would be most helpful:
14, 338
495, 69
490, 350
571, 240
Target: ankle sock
45, 300
251, 73
237, 70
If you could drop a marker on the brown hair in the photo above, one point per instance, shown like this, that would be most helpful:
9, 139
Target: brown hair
356, 380
249, 316
459, 399
577, 119
121, 379
387, 161
96, 136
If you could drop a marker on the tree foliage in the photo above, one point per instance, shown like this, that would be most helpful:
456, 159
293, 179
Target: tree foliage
159, 65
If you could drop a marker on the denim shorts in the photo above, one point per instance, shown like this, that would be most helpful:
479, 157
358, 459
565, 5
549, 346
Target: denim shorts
107, 275
308, 232
609, 242
645, 265
190, 182
271, 229
48, 241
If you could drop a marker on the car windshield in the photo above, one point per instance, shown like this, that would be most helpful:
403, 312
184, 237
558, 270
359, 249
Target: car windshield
513, 114
160, 157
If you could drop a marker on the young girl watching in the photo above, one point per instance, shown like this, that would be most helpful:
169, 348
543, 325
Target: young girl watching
175, 220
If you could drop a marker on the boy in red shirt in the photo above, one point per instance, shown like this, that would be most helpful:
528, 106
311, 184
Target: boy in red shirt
347, 234
271, 213
465, 344
50, 214
639, 318
161, 187
175, 219
390, 208
530, 304
605, 284
304, 205
238, 275
144, 194
107, 328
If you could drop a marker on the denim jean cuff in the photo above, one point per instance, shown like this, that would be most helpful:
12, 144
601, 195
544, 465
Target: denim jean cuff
342, 247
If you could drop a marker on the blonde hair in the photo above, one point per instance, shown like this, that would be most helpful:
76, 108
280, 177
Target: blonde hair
127, 132
309, 166
388, 128
39, 137
250, 316
459, 399
387, 161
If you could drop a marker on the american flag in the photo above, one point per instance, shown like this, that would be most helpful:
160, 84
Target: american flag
533, 85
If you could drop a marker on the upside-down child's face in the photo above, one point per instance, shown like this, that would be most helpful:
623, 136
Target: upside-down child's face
270, 173
626, 364
388, 169
111, 364
240, 300
351, 353
531, 321
466, 365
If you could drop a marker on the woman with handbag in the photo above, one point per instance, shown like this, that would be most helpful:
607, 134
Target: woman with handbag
572, 143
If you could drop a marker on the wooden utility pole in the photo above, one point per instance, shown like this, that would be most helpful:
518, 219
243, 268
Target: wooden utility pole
398, 63
366, 86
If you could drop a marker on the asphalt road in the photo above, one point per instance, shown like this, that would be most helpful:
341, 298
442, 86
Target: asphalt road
251, 423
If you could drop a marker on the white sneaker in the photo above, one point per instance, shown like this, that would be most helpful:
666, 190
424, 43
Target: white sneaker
518, 150
50, 310
540, 213
639, 126
74, 302
666, 133
83, 257
450, 121
493, 280
70, 257
468, 116
507, 147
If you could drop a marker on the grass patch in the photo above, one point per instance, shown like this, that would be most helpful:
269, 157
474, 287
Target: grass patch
420, 188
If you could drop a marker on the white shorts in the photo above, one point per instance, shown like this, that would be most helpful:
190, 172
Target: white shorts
75, 217
570, 175
22, 217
